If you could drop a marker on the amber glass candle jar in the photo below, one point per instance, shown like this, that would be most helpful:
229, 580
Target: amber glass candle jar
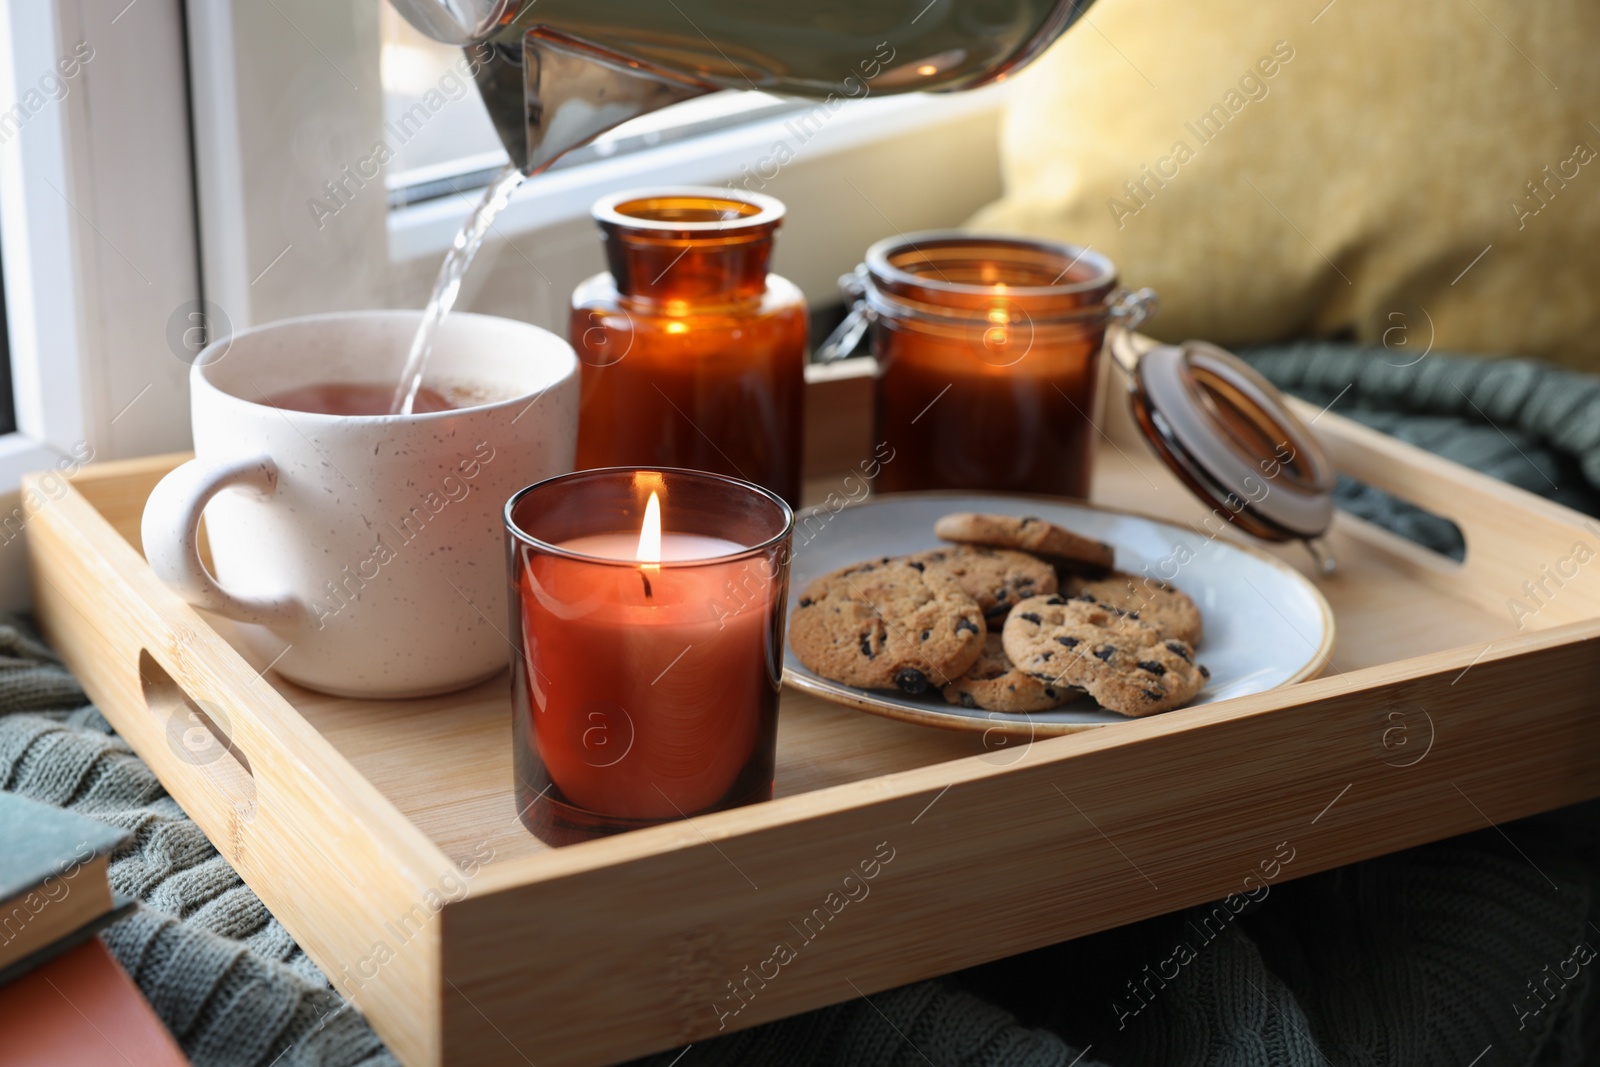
988, 355
693, 355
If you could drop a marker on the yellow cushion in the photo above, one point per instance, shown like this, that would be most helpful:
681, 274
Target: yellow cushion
1403, 172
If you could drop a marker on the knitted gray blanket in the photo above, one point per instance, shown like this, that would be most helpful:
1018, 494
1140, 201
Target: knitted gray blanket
1471, 952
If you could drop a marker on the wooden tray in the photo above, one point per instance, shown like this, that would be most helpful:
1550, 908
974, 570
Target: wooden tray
383, 835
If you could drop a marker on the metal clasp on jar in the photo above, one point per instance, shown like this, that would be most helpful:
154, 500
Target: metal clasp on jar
1128, 310
848, 335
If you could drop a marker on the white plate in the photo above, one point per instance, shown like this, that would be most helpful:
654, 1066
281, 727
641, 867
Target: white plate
1266, 625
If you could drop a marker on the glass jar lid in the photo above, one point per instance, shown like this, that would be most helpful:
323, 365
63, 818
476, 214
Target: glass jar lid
1229, 436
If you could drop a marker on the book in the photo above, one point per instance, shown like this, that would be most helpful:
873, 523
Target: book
81, 1010
54, 892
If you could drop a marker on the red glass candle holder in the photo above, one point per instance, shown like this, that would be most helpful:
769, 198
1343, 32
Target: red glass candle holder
988, 355
644, 691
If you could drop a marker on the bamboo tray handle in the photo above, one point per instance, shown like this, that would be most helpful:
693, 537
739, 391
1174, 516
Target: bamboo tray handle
195, 746
201, 738
1507, 531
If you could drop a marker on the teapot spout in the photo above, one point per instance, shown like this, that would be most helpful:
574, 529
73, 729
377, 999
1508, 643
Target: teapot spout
554, 93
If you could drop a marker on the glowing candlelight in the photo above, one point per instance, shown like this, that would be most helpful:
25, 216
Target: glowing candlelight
650, 534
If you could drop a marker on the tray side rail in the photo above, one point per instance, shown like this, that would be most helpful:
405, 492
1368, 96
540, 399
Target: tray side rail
746, 916
358, 885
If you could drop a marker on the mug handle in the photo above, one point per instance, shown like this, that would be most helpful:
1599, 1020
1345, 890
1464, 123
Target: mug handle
171, 533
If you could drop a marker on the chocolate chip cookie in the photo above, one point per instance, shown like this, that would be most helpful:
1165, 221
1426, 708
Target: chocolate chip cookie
1150, 600
1056, 545
995, 577
1126, 664
886, 624
994, 684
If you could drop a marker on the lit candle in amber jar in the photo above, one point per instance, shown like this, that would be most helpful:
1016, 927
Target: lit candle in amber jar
989, 358
649, 615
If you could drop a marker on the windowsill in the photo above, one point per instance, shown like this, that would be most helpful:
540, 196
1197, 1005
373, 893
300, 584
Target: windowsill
425, 230
21, 454
690, 120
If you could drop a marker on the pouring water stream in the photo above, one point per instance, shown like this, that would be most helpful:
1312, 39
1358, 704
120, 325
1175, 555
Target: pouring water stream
448, 284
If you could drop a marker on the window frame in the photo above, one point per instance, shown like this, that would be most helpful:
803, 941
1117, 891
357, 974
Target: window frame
97, 237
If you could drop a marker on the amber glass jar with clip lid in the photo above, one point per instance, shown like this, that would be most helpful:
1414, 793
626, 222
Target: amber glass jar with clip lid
988, 351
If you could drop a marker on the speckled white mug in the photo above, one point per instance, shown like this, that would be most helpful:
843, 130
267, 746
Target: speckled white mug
363, 553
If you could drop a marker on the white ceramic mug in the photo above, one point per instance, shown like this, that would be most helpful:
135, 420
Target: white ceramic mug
364, 553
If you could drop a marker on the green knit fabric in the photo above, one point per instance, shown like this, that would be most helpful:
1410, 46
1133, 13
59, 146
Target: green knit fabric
1451, 954
1532, 424
225, 976
1421, 958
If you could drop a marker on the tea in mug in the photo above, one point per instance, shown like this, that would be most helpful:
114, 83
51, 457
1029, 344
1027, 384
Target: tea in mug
358, 398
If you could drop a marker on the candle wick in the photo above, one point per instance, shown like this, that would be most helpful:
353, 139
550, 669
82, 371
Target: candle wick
645, 578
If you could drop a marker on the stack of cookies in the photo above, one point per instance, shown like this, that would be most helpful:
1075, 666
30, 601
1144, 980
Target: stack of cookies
1015, 615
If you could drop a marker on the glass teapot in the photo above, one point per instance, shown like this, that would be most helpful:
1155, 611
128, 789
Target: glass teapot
557, 73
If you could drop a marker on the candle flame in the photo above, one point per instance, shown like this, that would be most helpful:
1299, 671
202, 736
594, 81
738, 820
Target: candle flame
650, 533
